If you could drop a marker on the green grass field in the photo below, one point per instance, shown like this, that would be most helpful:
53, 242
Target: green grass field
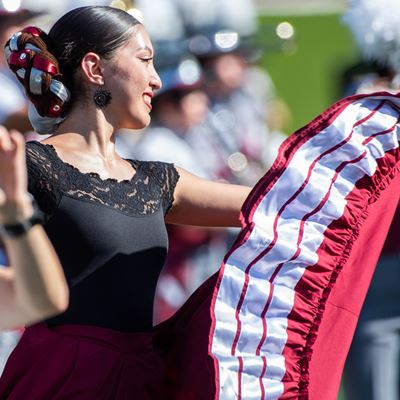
308, 79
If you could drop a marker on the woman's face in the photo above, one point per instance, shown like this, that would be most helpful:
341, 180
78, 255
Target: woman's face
132, 80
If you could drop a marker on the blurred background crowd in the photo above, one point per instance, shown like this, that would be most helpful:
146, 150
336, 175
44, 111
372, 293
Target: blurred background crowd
238, 77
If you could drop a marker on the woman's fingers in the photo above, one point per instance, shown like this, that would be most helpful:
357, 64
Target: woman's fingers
5, 141
13, 179
2, 197
17, 141
11, 142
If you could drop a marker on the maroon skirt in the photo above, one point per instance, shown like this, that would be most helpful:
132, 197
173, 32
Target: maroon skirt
83, 362
87, 362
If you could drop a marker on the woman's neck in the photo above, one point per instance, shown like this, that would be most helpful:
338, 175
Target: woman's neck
87, 130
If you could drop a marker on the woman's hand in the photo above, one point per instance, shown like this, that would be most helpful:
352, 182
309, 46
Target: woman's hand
14, 200
34, 287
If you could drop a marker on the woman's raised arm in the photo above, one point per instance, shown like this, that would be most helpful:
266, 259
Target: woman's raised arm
201, 202
34, 287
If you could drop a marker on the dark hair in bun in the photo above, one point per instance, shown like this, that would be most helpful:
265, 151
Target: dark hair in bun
36, 68
46, 64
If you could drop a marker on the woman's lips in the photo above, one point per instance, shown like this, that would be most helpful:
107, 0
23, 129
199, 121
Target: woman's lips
147, 99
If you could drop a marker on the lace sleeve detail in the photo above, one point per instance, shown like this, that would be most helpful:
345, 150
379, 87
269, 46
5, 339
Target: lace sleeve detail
172, 177
41, 178
167, 177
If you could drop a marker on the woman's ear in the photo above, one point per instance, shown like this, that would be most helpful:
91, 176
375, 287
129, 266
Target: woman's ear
93, 68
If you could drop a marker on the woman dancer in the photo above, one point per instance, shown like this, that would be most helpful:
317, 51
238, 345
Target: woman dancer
34, 287
257, 329
90, 76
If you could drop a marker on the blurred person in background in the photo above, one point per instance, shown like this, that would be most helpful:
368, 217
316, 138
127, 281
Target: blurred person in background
372, 369
238, 133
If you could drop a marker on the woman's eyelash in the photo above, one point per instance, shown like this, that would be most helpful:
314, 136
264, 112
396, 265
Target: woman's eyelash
147, 60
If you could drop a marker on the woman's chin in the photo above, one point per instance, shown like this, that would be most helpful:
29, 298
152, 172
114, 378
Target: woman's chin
137, 123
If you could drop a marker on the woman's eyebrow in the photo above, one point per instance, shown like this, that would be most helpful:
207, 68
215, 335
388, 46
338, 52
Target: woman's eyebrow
145, 48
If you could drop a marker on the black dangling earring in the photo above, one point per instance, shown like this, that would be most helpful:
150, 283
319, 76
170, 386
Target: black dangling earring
102, 97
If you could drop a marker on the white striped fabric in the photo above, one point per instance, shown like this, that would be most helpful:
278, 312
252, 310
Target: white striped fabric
285, 229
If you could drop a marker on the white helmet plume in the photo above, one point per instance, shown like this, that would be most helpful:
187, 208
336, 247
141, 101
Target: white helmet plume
376, 28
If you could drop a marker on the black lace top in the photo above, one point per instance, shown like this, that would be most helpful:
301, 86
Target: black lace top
109, 235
